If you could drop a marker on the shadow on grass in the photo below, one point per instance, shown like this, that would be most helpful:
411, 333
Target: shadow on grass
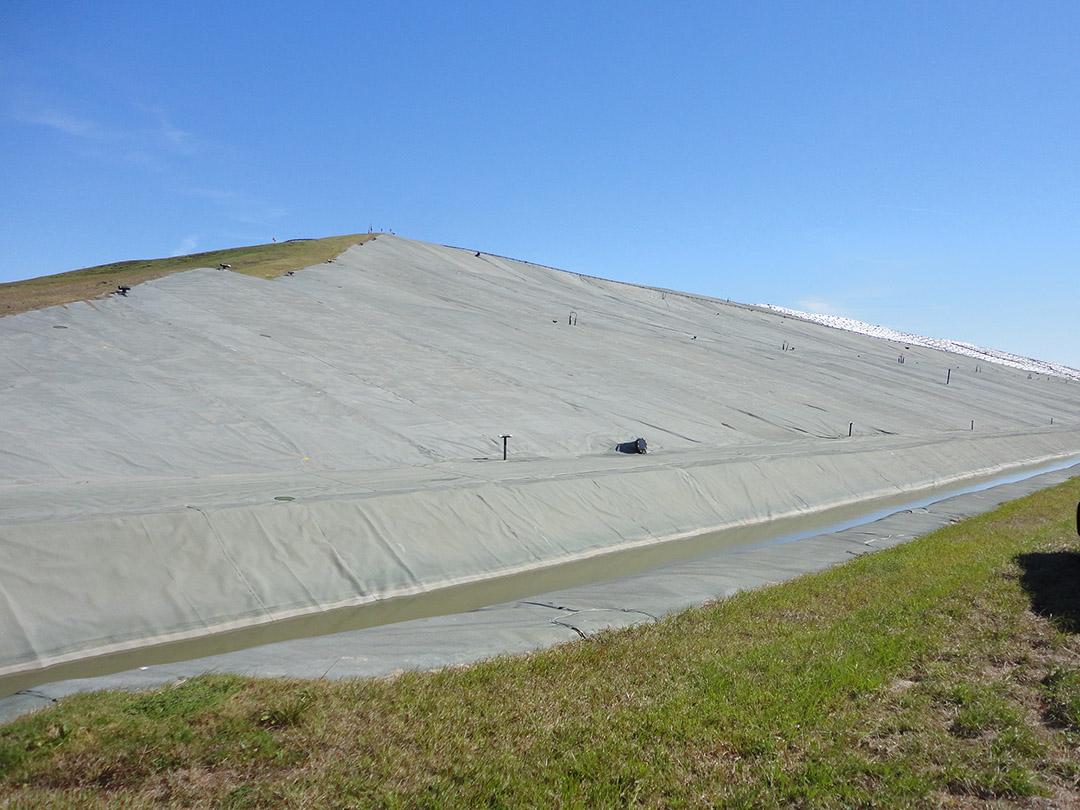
1052, 580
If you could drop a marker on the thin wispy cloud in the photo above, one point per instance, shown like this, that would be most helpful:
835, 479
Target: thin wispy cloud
245, 208
180, 140
187, 245
148, 137
155, 143
919, 210
847, 301
821, 306
63, 122
872, 262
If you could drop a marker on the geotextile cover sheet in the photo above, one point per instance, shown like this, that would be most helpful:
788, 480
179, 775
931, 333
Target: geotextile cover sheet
215, 451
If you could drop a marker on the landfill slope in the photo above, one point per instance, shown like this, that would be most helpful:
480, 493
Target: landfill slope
214, 452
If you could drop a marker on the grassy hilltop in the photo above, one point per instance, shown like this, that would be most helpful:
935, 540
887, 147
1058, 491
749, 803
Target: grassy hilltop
263, 261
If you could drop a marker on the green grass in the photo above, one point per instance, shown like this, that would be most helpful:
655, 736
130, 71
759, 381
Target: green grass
1063, 698
945, 672
263, 261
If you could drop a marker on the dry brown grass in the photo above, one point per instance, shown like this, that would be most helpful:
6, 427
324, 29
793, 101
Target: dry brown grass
262, 261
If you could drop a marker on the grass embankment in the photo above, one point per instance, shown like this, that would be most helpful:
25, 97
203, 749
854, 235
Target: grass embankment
942, 673
263, 261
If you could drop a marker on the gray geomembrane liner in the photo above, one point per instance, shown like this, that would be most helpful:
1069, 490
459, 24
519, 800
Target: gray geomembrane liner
216, 471
552, 618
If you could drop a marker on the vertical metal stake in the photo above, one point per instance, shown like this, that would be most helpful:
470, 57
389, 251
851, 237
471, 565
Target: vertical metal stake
504, 437
948, 376
850, 425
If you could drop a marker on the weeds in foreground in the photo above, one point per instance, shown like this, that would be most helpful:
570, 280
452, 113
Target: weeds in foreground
930, 675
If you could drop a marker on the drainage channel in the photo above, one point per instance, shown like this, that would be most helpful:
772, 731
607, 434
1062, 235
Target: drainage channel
928, 498
473, 595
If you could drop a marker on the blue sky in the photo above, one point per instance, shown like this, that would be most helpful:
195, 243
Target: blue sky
911, 164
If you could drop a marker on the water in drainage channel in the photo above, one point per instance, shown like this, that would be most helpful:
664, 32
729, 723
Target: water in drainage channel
926, 499
472, 595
